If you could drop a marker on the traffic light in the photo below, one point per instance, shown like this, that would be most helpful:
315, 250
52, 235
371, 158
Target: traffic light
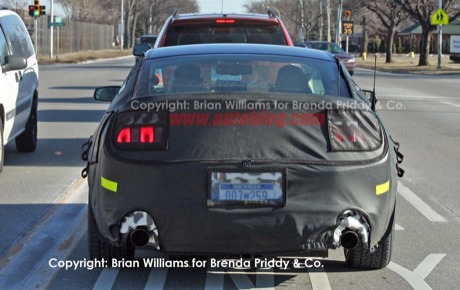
31, 10
348, 13
36, 8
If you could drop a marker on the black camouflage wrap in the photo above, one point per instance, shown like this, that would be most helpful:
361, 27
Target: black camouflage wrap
173, 184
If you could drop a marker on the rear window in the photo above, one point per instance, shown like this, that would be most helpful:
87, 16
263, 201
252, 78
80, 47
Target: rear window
240, 73
224, 30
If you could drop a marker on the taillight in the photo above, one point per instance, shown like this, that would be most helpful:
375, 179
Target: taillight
225, 21
147, 135
140, 130
124, 136
354, 130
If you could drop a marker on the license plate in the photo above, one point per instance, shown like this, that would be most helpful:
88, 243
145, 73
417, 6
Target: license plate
247, 187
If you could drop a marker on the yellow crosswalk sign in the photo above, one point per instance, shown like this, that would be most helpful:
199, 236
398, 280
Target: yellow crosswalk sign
440, 17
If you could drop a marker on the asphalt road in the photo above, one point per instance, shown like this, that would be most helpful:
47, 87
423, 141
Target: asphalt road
43, 198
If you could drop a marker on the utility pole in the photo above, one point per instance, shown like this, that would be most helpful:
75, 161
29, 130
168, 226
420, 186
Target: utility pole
51, 27
338, 27
328, 13
321, 20
121, 28
439, 39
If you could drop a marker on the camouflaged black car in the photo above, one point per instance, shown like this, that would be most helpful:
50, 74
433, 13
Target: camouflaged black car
241, 149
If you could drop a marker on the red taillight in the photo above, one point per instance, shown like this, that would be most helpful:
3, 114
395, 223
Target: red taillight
139, 130
225, 21
147, 135
124, 136
354, 130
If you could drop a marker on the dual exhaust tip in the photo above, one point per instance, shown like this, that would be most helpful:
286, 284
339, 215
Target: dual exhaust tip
349, 240
351, 230
140, 237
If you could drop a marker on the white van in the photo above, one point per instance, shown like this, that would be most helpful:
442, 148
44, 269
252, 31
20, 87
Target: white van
18, 85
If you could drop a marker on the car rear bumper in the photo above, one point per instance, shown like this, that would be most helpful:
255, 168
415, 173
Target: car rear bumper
175, 196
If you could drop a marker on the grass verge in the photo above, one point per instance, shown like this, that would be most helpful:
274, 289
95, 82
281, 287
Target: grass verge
84, 56
406, 64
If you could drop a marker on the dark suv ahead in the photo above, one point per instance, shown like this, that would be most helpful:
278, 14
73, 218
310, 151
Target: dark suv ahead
181, 29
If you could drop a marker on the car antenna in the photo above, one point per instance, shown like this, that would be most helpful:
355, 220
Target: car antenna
374, 100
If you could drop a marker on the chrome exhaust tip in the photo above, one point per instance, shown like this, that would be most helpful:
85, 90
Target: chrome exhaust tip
140, 237
349, 240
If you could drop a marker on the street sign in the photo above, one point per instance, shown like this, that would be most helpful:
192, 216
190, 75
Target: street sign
440, 17
347, 27
455, 44
57, 24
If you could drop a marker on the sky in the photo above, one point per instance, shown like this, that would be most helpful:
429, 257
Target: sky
209, 6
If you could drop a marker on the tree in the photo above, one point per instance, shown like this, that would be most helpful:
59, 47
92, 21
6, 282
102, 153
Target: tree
390, 17
421, 11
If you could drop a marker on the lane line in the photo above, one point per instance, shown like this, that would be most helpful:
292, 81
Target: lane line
319, 280
157, 279
106, 279
419, 204
451, 104
214, 280
428, 264
241, 280
415, 281
52, 239
416, 277
265, 279
398, 228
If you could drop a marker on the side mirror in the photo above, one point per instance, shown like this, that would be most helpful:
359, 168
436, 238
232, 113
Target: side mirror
14, 62
106, 94
140, 49
372, 98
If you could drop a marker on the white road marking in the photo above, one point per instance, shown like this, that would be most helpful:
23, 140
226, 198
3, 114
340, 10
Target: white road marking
265, 279
398, 227
319, 280
53, 237
242, 280
419, 204
416, 278
214, 280
427, 265
157, 279
106, 279
451, 104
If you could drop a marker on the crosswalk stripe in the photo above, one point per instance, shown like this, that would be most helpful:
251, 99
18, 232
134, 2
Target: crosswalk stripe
157, 279
106, 279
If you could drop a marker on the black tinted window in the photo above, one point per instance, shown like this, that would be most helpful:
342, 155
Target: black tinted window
213, 32
17, 36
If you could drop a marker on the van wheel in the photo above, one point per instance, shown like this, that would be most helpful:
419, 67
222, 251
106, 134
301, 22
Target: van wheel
27, 141
2, 148
100, 248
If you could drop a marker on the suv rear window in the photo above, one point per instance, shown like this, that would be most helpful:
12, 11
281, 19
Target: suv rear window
224, 30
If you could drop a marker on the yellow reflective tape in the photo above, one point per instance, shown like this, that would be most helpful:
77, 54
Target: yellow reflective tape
109, 184
382, 188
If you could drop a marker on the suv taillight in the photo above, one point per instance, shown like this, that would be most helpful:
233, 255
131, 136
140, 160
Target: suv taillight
140, 130
354, 130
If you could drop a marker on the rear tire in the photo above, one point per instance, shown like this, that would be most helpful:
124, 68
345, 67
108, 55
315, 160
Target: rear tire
27, 141
100, 248
2, 147
361, 258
